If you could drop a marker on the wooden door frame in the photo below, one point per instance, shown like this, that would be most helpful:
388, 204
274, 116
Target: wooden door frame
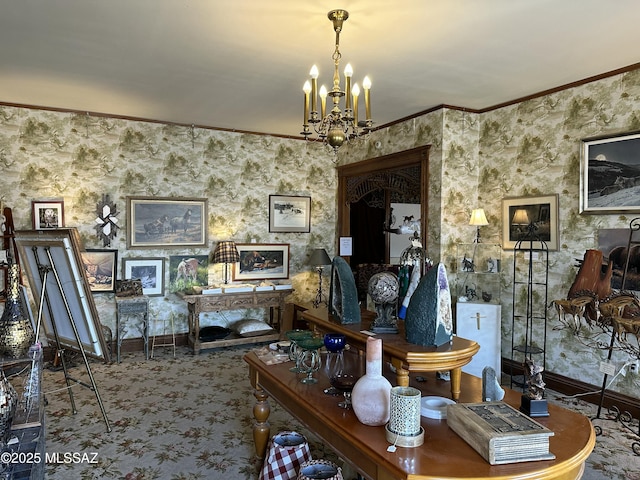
406, 158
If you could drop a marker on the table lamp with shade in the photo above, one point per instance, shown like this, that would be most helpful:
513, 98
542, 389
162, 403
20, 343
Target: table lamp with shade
521, 220
478, 219
319, 258
226, 252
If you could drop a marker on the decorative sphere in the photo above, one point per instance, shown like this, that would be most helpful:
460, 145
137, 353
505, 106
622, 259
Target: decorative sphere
336, 137
384, 287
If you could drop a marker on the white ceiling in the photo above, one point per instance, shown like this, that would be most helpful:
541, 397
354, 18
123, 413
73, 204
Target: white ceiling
240, 64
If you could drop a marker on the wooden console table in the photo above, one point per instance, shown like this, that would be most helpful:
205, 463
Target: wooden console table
443, 455
196, 304
404, 356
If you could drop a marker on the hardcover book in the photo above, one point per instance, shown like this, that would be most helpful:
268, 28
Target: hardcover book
499, 432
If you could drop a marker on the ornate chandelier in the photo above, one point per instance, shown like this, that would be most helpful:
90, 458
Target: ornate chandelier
335, 127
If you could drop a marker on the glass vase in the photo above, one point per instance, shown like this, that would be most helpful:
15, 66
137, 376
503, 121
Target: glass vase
16, 332
370, 397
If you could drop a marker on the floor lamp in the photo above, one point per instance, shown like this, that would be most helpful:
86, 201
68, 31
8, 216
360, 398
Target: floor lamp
319, 258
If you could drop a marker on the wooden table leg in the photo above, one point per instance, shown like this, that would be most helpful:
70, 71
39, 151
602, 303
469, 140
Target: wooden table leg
456, 378
261, 428
402, 374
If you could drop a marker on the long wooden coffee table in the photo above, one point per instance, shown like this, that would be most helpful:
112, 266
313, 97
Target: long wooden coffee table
443, 455
404, 356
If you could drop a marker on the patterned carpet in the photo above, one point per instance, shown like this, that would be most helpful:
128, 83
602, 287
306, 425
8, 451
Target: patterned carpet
191, 418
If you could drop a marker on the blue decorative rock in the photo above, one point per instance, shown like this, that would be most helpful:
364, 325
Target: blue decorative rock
343, 295
429, 320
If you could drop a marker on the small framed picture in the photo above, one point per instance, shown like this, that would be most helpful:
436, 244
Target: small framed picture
47, 215
150, 271
154, 222
100, 269
186, 271
262, 261
289, 214
530, 218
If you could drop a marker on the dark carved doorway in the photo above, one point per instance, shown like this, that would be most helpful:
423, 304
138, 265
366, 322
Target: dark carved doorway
366, 191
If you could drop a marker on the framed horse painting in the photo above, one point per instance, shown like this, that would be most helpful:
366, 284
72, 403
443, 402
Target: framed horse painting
154, 222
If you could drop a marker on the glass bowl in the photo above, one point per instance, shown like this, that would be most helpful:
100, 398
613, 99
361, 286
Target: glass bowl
297, 335
335, 342
310, 343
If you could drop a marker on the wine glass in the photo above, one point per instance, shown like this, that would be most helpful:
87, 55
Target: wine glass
310, 358
294, 352
334, 363
344, 382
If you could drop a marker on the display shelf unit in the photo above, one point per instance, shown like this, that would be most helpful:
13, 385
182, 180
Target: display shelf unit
478, 309
478, 271
530, 300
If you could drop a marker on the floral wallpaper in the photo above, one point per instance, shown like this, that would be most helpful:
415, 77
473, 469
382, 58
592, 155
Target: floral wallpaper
531, 148
476, 160
78, 158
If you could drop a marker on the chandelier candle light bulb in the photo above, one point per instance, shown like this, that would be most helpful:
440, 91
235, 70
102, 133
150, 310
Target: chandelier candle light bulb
366, 84
306, 88
323, 101
355, 91
314, 89
348, 73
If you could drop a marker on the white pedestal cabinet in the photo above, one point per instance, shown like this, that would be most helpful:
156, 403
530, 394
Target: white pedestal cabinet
480, 321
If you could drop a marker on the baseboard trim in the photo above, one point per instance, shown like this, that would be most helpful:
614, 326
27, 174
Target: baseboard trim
570, 386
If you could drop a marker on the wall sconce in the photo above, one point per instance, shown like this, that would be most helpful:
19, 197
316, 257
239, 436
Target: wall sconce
226, 252
478, 219
319, 258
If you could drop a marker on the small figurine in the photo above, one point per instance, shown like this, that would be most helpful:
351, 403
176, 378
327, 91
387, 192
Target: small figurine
533, 374
533, 402
491, 389
468, 265
470, 293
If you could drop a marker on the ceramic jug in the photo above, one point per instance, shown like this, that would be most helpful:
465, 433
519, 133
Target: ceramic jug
371, 393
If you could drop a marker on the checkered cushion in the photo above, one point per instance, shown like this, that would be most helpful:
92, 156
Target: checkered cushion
286, 452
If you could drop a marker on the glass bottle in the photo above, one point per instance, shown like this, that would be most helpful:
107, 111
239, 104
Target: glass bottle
16, 331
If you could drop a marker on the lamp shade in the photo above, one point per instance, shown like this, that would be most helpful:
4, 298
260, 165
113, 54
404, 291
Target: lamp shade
319, 257
478, 217
226, 252
520, 217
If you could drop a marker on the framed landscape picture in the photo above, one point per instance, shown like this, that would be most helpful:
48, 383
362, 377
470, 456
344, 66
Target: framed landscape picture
100, 267
289, 213
537, 214
47, 214
166, 222
610, 174
262, 261
150, 271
